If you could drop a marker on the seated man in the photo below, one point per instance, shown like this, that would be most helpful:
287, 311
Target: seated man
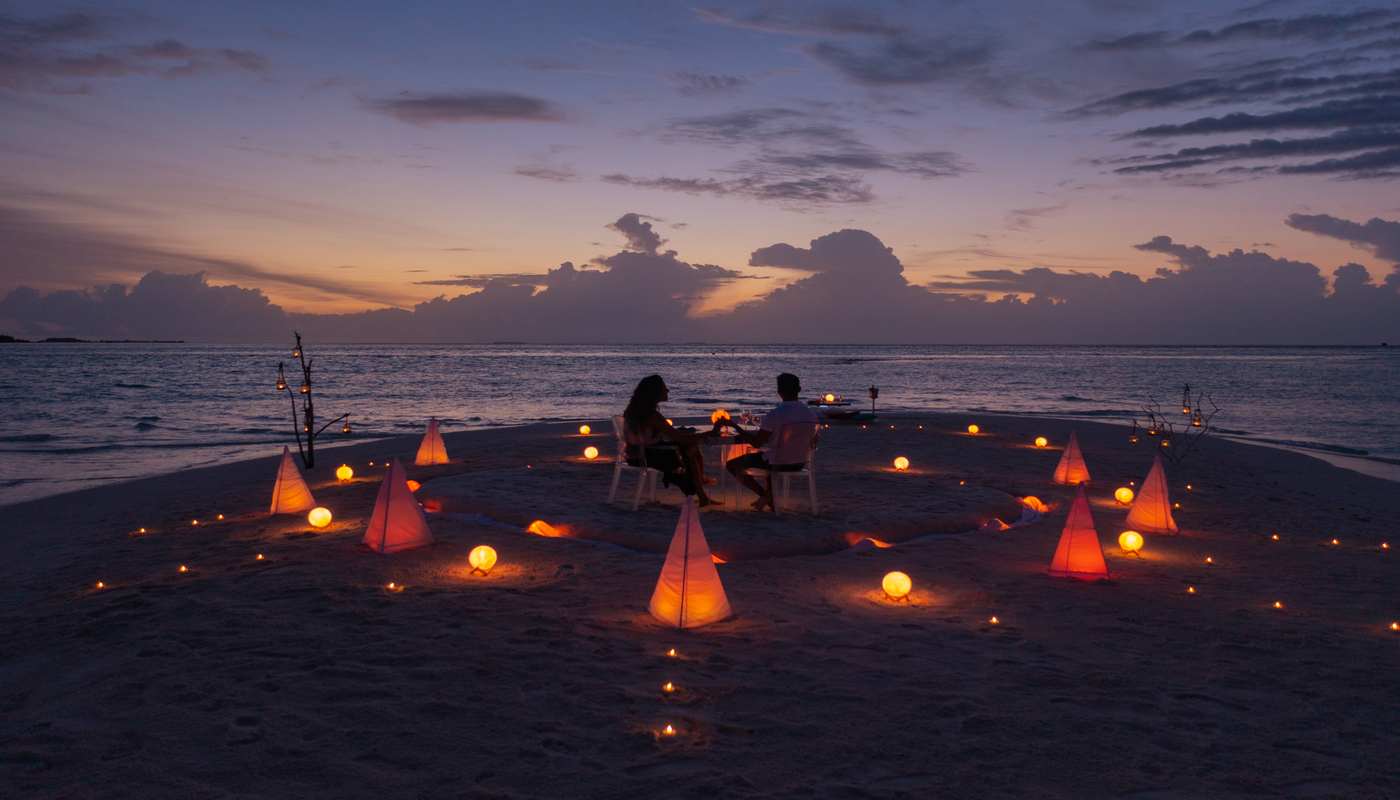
790, 411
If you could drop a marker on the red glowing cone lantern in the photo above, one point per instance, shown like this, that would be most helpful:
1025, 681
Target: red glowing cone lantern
1152, 510
290, 495
689, 593
432, 450
1071, 470
398, 522
1079, 554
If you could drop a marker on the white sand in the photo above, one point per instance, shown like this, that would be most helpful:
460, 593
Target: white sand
301, 675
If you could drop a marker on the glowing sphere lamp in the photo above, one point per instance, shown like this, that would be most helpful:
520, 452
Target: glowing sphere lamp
344, 473
897, 585
1124, 495
1130, 541
584, 430
1042, 442
901, 463
973, 429
718, 414
319, 517
590, 453
482, 559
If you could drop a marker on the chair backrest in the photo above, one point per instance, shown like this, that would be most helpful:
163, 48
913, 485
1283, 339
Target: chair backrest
620, 430
793, 444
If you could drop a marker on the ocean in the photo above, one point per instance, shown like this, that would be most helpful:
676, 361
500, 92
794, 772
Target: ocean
79, 415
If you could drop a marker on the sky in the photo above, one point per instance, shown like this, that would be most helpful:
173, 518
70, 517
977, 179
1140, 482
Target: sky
1057, 171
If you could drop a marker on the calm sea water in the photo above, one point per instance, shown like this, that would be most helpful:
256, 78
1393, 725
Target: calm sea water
78, 415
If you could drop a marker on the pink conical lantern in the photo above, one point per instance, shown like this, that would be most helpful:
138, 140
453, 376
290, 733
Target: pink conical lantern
290, 494
689, 593
1072, 470
398, 522
432, 450
1152, 510
1079, 554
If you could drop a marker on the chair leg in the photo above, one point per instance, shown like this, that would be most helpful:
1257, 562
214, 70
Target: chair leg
617, 475
812, 489
773, 492
654, 475
637, 496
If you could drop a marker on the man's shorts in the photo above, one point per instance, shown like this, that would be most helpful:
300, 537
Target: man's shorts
758, 461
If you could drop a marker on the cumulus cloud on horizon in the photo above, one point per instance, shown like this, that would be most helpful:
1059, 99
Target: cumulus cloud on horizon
854, 291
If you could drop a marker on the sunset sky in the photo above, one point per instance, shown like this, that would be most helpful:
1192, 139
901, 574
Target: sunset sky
344, 157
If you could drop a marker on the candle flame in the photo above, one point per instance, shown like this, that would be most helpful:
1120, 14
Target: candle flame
670, 731
100, 584
260, 556
1278, 605
183, 568
672, 652
1190, 590
670, 687
995, 621
1276, 537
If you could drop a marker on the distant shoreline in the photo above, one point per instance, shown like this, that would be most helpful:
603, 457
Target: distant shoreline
70, 340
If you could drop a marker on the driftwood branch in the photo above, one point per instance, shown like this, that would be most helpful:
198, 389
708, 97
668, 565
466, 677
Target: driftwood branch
1176, 436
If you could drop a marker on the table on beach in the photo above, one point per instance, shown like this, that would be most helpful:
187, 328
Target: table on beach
724, 449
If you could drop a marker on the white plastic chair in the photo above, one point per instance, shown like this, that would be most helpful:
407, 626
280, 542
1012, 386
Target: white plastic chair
621, 465
791, 444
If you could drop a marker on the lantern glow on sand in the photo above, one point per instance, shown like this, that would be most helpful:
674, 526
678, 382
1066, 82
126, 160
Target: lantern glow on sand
901, 463
590, 453
319, 517
344, 473
1124, 496
1130, 541
1042, 442
897, 586
584, 430
482, 558
971, 429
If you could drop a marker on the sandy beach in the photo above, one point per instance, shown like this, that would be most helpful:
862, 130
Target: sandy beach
302, 674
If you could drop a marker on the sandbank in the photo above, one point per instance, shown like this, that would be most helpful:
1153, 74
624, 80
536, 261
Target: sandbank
301, 674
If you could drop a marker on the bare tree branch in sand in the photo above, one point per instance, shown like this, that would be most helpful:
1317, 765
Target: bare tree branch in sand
307, 425
1178, 435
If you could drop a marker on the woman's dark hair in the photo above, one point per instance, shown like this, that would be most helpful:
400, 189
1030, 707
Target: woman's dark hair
644, 400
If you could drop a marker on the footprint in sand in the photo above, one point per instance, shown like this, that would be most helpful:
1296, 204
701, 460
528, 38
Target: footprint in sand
245, 728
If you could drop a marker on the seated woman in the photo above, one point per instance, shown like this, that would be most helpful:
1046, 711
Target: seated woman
649, 433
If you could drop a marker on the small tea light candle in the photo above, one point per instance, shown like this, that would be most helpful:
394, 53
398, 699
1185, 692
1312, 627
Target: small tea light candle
221, 516
260, 557
1334, 541
1190, 590
195, 522
100, 584
669, 687
995, 621
1208, 560
1276, 537
183, 568
1278, 605
670, 731
671, 652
